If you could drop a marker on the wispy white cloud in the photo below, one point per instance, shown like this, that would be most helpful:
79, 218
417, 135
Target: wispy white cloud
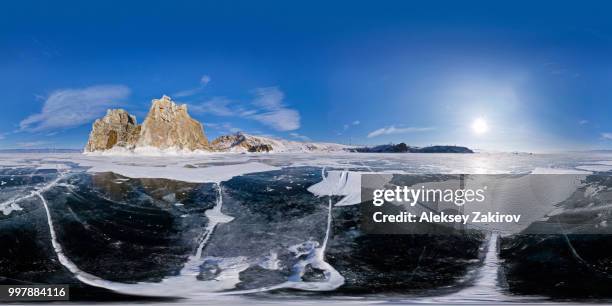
204, 80
273, 111
268, 108
583, 122
356, 122
268, 98
389, 130
299, 136
606, 136
218, 106
280, 120
67, 108
224, 127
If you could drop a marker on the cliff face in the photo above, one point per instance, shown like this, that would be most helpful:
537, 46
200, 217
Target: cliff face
169, 126
117, 128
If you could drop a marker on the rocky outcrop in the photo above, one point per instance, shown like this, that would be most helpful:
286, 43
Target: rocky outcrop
241, 143
117, 128
169, 126
261, 148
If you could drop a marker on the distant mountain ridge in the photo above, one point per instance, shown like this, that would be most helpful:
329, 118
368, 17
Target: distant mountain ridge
241, 142
404, 148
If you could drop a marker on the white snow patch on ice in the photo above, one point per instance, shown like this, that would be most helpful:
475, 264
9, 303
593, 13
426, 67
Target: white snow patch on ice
212, 174
558, 171
344, 183
487, 284
148, 151
11, 205
340, 183
229, 274
596, 168
603, 162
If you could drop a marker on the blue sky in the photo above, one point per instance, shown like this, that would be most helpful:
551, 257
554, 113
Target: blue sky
539, 74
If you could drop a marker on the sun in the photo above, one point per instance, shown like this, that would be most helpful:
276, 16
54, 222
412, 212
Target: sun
480, 126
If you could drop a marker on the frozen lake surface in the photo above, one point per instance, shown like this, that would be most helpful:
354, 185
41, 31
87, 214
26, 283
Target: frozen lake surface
278, 229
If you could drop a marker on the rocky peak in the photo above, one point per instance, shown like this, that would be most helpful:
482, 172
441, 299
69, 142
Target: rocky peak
165, 109
117, 128
169, 126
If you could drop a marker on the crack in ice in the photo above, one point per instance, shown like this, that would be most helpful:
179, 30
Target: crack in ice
11, 205
184, 284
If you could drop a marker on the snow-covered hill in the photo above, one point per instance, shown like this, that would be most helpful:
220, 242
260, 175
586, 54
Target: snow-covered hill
250, 143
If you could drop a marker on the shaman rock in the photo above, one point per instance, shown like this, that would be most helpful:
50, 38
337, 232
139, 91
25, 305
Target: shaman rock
169, 126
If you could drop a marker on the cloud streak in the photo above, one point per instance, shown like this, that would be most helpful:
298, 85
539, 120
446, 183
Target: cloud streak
66, 108
606, 136
204, 80
218, 106
272, 110
390, 130
223, 127
267, 107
